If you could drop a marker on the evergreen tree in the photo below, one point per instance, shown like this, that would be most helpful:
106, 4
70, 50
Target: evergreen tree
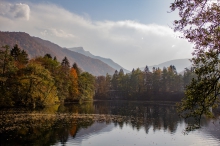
24, 57
121, 72
15, 52
48, 56
146, 69
115, 81
65, 62
78, 70
20, 56
55, 58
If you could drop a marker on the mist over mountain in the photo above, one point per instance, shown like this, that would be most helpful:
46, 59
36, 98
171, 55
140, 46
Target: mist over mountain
105, 60
180, 64
35, 46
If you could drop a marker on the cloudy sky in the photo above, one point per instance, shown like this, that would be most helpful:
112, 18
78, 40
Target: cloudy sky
133, 33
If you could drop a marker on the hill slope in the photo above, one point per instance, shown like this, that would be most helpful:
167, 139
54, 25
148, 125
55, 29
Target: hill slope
39, 47
105, 60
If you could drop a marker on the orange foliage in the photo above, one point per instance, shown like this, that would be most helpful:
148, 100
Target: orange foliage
73, 130
75, 89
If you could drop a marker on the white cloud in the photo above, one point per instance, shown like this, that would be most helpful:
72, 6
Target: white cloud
58, 33
15, 11
129, 43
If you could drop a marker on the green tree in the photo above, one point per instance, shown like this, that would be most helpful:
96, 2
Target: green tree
37, 87
86, 86
115, 81
165, 80
7, 73
101, 86
137, 81
60, 74
147, 79
199, 22
188, 76
62, 82
121, 80
156, 77
48, 63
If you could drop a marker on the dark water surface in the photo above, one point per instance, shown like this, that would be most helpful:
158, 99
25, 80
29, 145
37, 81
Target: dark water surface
104, 123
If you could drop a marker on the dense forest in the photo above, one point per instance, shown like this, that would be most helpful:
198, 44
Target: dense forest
43, 81
159, 84
40, 81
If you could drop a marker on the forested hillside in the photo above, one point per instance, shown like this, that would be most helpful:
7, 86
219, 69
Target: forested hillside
37, 47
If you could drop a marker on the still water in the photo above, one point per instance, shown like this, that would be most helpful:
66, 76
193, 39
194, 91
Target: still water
104, 123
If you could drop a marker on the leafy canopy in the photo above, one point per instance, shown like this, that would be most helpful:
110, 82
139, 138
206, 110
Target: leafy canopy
200, 24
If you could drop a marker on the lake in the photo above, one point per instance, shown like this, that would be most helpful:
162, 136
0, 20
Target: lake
104, 123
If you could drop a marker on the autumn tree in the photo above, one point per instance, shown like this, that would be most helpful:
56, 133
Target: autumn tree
74, 86
199, 23
36, 86
41, 81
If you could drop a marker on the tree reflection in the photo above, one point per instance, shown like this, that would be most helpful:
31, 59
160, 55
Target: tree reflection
60, 122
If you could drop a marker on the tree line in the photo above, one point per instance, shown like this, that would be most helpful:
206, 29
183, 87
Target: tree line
145, 85
40, 81
43, 81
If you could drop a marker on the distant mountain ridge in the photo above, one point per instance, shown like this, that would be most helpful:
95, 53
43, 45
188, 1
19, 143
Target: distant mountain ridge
180, 64
35, 46
105, 60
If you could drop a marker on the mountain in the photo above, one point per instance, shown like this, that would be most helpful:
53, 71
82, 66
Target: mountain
180, 64
35, 46
105, 60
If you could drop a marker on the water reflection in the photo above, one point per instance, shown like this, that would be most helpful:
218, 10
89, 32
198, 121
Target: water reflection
55, 125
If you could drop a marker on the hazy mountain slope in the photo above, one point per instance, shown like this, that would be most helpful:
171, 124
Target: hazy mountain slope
180, 64
95, 66
105, 60
38, 47
24, 41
